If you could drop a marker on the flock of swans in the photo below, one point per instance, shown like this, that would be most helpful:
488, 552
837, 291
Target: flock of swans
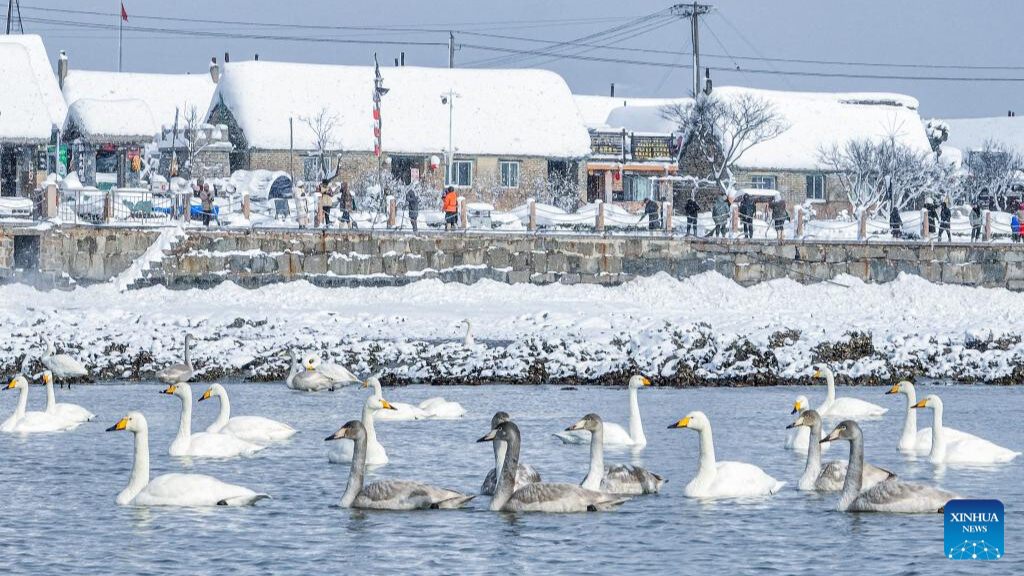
512, 485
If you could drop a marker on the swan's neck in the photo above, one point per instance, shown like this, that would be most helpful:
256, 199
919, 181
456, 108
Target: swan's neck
706, 466
51, 400
19, 410
188, 355
371, 432
938, 435
596, 473
636, 427
507, 479
140, 469
830, 391
185, 423
813, 467
469, 329
225, 412
376, 390
355, 475
854, 473
909, 438
500, 448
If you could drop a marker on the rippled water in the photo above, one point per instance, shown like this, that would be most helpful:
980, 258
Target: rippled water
58, 512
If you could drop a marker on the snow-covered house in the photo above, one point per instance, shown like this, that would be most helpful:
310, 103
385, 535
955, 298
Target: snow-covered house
121, 127
791, 163
972, 136
31, 109
513, 131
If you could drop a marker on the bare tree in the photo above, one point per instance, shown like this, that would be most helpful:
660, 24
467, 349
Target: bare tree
724, 128
194, 138
322, 124
996, 169
938, 132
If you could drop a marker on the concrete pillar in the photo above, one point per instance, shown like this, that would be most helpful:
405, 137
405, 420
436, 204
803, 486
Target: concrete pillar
246, 206
862, 226
799, 223
463, 218
108, 206
925, 232
666, 209
392, 211
734, 208
50, 202
988, 226
609, 181
532, 206
599, 219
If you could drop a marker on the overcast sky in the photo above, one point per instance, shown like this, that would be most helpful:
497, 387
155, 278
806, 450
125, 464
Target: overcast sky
979, 33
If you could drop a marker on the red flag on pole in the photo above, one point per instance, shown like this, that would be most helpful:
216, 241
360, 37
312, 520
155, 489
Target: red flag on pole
124, 14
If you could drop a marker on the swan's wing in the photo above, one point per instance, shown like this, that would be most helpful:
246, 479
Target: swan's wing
174, 373
621, 479
615, 434
257, 429
209, 445
65, 366
72, 412
739, 479
854, 407
337, 373
558, 497
491, 482
439, 408
873, 475
33, 422
904, 497
831, 477
401, 412
971, 449
408, 495
194, 490
311, 381
526, 474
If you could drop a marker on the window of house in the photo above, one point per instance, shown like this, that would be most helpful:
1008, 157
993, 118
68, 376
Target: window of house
461, 175
762, 182
816, 187
509, 174
637, 188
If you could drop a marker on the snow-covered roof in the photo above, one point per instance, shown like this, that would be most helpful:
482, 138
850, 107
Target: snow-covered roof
596, 110
514, 112
162, 93
112, 121
973, 133
815, 120
30, 101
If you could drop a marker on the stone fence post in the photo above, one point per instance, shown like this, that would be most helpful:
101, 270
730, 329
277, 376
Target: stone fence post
392, 211
988, 226
666, 209
108, 206
734, 209
862, 226
799, 223
599, 219
532, 206
925, 232
463, 219
50, 202
246, 206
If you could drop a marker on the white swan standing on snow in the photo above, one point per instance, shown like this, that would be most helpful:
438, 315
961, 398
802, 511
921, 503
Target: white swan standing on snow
618, 479
614, 434
829, 478
723, 479
539, 496
336, 372
891, 495
798, 438
837, 408
173, 489
203, 444
306, 379
62, 365
525, 474
255, 429
468, 340
912, 440
23, 422
388, 494
375, 453
72, 412
182, 372
436, 408
966, 449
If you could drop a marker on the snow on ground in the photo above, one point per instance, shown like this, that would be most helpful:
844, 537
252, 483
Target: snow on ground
684, 332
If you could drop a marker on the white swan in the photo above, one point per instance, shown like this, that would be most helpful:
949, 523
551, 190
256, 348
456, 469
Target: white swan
618, 479
837, 408
173, 489
525, 474
468, 340
891, 495
203, 444
375, 453
72, 412
912, 440
798, 438
614, 434
539, 496
829, 478
255, 429
389, 494
963, 450
62, 365
306, 379
336, 372
436, 408
182, 372
723, 479
23, 422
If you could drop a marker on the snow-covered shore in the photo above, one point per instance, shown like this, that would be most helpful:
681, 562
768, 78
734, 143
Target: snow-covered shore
702, 330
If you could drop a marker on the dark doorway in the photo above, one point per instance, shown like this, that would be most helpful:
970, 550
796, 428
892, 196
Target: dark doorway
595, 187
26, 252
405, 169
8, 172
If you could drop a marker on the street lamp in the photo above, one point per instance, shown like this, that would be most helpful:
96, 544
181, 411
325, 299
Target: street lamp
449, 99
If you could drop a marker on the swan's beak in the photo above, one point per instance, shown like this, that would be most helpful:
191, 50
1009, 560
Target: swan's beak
894, 390
206, 395
308, 367
387, 406
169, 390
921, 404
11, 385
46, 378
832, 436
489, 436
577, 426
645, 381
337, 435
817, 374
121, 425
681, 424
796, 408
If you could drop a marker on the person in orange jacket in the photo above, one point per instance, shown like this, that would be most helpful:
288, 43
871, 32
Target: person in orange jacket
451, 208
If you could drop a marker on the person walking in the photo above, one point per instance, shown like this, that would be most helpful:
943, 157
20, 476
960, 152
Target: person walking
206, 198
929, 205
1014, 228
975, 218
348, 205
720, 215
450, 206
779, 216
651, 210
895, 222
326, 200
412, 206
944, 217
691, 209
747, 209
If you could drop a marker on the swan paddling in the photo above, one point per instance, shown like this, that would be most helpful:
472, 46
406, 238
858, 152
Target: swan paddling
72, 412
25, 422
375, 453
389, 494
912, 440
525, 474
203, 444
830, 477
967, 449
617, 479
838, 408
614, 434
891, 495
181, 372
436, 408
190, 490
255, 429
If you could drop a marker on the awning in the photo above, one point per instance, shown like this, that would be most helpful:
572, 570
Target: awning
655, 168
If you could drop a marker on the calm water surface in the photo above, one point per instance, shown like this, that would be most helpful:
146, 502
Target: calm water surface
58, 512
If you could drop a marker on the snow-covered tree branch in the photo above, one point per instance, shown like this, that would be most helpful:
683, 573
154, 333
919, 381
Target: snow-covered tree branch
995, 167
322, 125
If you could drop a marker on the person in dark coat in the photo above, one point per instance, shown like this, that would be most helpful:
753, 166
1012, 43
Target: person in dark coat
747, 209
975, 218
206, 197
720, 215
779, 216
412, 205
691, 209
944, 217
653, 212
895, 222
933, 215
347, 204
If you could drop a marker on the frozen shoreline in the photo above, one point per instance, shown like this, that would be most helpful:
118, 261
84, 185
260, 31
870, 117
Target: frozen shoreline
705, 330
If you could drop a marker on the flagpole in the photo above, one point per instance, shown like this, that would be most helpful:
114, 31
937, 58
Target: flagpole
120, 30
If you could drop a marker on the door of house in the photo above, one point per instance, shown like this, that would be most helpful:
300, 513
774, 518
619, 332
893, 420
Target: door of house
8, 171
595, 187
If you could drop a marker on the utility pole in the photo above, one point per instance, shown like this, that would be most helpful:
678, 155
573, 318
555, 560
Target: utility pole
451, 49
449, 99
693, 11
14, 6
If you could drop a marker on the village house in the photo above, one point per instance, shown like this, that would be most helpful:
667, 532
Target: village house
515, 133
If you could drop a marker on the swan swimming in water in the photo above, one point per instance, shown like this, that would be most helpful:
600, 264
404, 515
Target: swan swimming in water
525, 474
173, 489
255, 429
617, 479
798, 438
203, 444
539, 496
389, 494
912, 440
723, 479
966, 449
306, 379
891, 495
436, 408
23, 422
375, 453
336, 372
829, 478
178, 373
62, 365
837, 408
72, 412
615, 435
